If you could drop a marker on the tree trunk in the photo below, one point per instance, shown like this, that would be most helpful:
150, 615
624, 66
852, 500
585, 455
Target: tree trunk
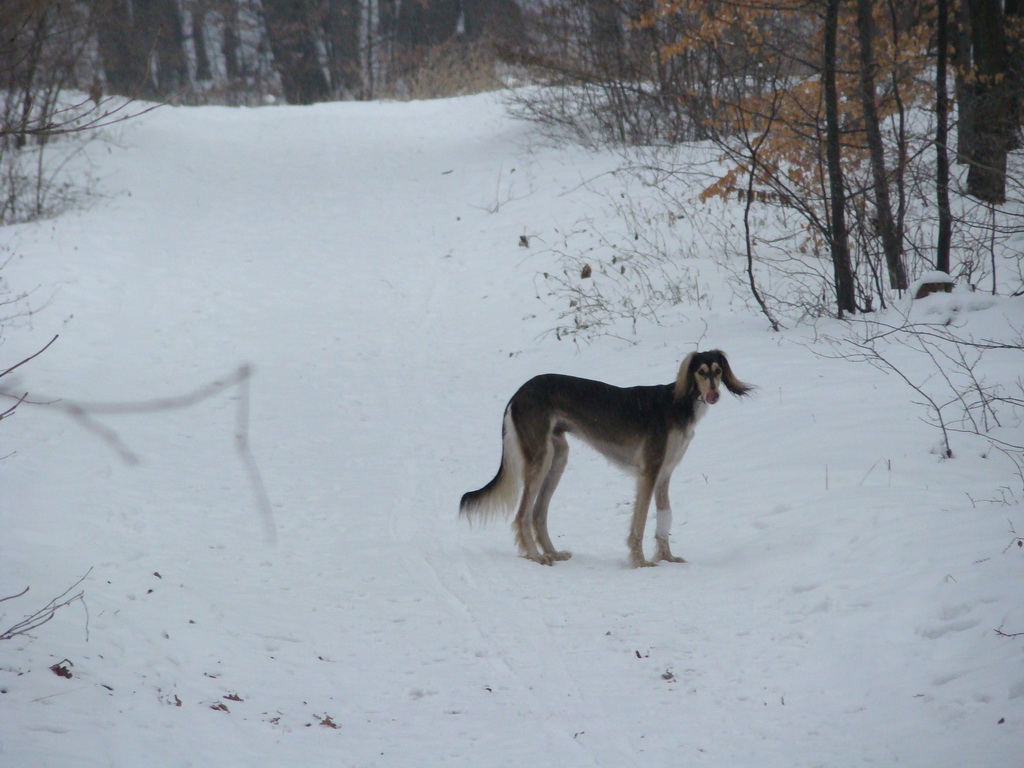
342, 21
166, 42
499, 20
203, 71
142, 45
941, 140
32, 29
992, 131
380, 53
606, 36
230, 42
121, 46
838, 235
963, 86
425, 23
1014, 10
291, 31
892, 240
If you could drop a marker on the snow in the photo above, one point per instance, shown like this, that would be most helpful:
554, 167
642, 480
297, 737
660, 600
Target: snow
844, 583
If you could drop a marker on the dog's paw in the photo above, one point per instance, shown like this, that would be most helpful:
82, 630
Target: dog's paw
541, 558
639, 561
670, 558
663, 552
562, 555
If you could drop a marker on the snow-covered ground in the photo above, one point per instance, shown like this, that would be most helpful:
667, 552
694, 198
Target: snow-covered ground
844, 584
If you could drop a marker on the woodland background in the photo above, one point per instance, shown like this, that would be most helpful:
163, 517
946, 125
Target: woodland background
848, 114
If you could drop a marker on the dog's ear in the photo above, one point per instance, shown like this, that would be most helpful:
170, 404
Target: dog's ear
684, 381
733, 384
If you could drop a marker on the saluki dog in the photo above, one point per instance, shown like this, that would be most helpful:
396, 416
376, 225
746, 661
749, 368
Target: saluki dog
645, 430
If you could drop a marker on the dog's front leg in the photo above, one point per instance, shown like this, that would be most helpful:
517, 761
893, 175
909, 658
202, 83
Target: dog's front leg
662, 550
644, 489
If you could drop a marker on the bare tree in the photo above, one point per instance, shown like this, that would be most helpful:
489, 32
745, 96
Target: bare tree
291, 29
995, 96
342, 22
839, 237
141, 43
945, 218
892, 237
45, 46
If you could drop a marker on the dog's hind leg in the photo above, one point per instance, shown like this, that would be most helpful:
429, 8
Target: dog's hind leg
662, 550
534, 472
644, 489
559, 458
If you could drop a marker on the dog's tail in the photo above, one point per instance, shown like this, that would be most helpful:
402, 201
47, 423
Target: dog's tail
502, 493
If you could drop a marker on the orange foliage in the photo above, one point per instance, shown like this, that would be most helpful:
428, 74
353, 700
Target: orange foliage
769, 53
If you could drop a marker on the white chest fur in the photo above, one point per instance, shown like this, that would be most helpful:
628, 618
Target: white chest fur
678, 442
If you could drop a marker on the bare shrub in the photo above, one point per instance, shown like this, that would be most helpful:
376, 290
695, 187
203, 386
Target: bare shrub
960, 389
613, 278
43, 118
602, 76
43, 615
454, 68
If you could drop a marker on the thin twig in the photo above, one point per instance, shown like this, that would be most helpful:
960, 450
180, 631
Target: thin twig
30, 357
1009, 634
13, 408
14, 597
45, 614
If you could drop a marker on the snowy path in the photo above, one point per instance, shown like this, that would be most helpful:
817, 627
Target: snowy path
364, 258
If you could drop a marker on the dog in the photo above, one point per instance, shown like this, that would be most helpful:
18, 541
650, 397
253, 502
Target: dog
645, 430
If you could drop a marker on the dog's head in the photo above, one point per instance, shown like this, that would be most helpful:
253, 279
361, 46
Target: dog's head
702, 374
